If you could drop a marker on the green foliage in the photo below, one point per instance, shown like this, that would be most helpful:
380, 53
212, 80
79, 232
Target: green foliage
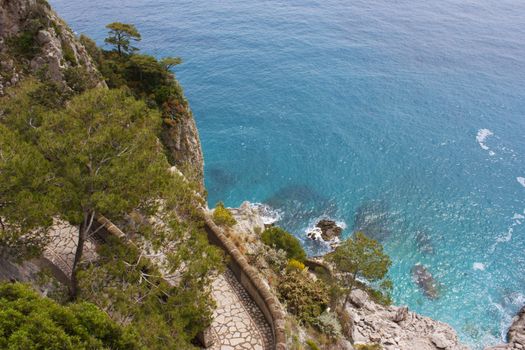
280, 239
68, 53
360, 256
91, 47
295, 265
222, 216
304, 297
170, 62
100, 154
312, 345
28, 321
327, 323
367, 347
130, 288
120, 36
78, 79
25, 44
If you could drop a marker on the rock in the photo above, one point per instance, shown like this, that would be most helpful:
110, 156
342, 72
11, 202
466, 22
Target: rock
359, 298
423, 278
401, 314
315, 234
397, 328
329, 229
206, 338
515, 335
342, 344
440, 341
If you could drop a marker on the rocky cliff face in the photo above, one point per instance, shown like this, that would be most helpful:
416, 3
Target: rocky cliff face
515, 335
181, 138
35, 41
396, 328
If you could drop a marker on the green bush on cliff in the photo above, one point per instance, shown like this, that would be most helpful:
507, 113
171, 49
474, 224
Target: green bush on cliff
29, 321
280, 239
303, 297
222, 216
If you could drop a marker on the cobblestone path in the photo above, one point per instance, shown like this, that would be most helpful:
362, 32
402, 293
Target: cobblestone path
238, 322
63, 243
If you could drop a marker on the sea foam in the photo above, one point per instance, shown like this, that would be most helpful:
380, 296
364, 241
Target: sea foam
481, 137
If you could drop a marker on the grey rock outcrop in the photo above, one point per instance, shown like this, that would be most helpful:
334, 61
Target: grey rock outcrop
49, 48
329, 229
395, 327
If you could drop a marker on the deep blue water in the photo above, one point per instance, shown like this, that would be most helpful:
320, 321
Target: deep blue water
370, 112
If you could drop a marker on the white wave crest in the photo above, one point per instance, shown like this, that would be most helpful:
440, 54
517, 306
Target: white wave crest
268, 214
478, 266
481, 137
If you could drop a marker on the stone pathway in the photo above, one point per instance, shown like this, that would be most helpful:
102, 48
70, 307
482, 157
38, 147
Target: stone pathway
238, 322
63, 243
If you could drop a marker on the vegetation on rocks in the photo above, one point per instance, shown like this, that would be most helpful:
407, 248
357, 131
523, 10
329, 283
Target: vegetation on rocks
71, 151
360, 256
222, 216
280, 239
303, 297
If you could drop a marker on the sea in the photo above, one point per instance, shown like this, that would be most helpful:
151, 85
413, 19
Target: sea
403, 119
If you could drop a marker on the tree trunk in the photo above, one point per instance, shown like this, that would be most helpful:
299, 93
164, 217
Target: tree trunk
83, 231
350, 288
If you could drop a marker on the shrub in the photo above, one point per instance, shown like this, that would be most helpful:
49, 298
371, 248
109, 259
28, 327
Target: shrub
278, 238
328, 324
304, 297
295, 265
222, 216
367, 347
29, 321
312, 345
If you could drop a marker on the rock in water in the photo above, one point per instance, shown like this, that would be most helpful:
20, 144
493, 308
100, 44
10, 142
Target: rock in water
425, 281
424, 243
329, 229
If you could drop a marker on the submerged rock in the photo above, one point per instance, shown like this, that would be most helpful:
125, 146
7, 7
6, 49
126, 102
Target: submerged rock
371, 218
424, 243
423, 278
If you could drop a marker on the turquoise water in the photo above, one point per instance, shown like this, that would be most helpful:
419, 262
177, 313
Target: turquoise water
404, 119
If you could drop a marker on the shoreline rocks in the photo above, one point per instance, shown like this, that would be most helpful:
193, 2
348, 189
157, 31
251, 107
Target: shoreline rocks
327, 231
515, 335
396, 328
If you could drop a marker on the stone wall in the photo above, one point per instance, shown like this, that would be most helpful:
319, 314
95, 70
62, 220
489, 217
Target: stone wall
252, 282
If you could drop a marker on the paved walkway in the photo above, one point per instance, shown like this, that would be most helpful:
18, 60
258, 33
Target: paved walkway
63, 244
238, 322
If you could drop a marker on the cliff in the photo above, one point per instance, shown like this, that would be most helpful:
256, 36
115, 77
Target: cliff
35, 41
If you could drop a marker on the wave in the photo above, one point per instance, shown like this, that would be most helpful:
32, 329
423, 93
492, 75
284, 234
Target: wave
268, 214
481, 137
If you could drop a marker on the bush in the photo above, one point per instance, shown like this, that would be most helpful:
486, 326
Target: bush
295, 265
29, 321
328, 324
278, 238
304, 297
222, 216
312, 345
367, 347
